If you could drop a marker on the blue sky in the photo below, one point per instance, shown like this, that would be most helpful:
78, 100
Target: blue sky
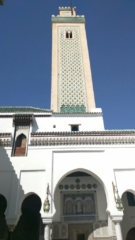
25, 54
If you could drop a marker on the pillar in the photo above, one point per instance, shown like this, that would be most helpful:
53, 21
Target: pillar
47, 232
117, 219
10, 231
118, 231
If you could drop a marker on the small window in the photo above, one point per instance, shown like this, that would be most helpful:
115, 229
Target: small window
69, 34
54, 126
20, 145
131, 199
74, 128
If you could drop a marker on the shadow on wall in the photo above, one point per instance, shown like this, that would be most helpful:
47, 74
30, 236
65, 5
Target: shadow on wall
9, 189
35, 125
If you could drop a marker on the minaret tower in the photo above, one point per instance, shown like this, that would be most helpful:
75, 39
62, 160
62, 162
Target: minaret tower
72, 88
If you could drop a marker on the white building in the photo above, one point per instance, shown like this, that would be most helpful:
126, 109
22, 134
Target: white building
62, 175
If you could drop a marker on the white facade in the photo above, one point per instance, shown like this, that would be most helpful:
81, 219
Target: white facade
79, 166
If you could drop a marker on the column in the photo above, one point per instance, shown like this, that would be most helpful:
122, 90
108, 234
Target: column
10, 231
47, 232
118, 230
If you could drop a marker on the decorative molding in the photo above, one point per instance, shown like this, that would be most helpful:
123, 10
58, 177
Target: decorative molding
100, 229
22, 119
77, 113
87, 133
77, 19
59, 230
5, 135
81, 141
5, 139
79, 218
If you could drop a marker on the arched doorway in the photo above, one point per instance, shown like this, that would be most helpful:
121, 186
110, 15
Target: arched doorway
3, 225
131, 234
80, 203
128, 223
29, 222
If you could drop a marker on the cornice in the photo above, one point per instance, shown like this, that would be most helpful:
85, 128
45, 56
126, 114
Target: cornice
86, 133
82, 141
76, 19
22, 119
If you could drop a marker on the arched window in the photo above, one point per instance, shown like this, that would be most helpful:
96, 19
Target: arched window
20, 145
79, 206
69, 207
89, 206
69, 34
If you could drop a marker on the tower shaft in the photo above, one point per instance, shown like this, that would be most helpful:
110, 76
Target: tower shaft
72, 88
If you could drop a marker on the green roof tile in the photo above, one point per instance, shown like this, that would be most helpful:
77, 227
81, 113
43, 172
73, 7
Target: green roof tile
23, 109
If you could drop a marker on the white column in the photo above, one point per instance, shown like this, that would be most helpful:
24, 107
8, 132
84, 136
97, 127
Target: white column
118, 231
47, 232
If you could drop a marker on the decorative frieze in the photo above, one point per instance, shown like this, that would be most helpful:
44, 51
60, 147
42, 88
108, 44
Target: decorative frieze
71, 84
79, 218
100, 229
87, 133
22, 119
5, 139
82, 141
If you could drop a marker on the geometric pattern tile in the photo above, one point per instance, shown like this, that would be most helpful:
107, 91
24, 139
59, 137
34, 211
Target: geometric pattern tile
71, 82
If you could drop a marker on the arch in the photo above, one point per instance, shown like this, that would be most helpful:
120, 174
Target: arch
23, 199
29, 222
128, 200
89, 206
88, 172
20, 141
20, 145
3, 203
32, 202
131, 234
3, 225
69, 207
128, 190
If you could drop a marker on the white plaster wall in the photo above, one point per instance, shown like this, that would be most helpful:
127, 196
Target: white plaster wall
20, 176
127, 169
6, 125
88, 123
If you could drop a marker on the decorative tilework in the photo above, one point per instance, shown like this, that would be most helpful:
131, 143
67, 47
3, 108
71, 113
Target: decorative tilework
60, 187
79, 218
71, 76
79, 204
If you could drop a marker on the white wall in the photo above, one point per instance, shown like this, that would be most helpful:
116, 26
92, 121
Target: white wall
20, 176
86, 123
6, 125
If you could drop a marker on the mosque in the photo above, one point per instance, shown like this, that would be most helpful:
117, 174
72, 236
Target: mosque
63, 176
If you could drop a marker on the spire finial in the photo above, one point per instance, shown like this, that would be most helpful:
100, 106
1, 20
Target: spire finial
71, 7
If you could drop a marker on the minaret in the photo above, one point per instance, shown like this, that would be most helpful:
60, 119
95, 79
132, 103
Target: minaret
72, 88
